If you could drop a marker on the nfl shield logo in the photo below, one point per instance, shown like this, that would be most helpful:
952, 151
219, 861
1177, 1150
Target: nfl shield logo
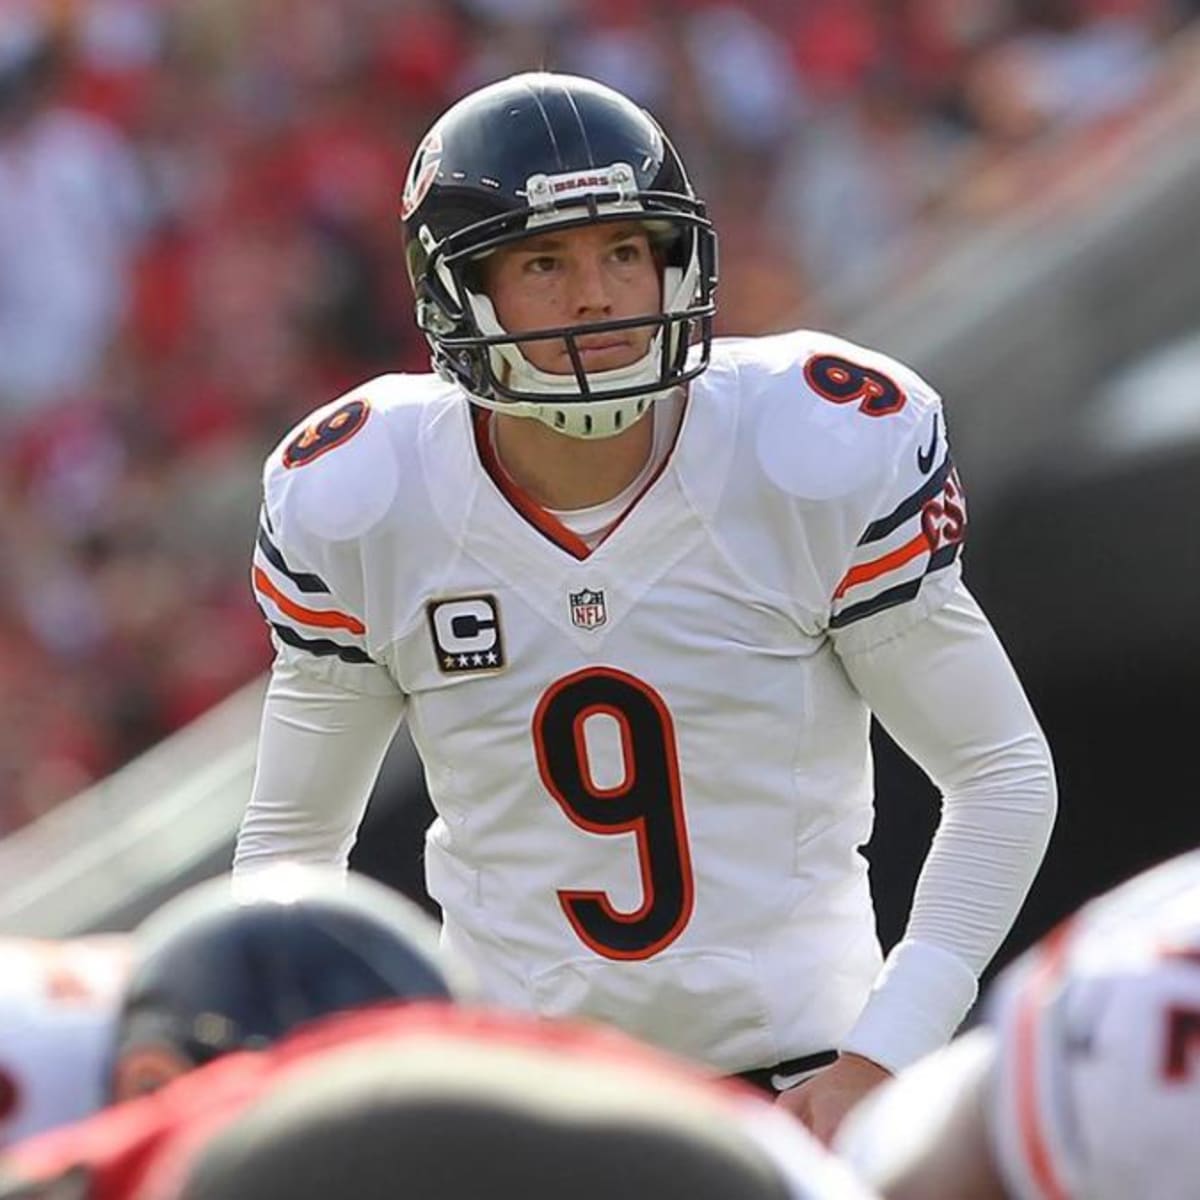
587, 609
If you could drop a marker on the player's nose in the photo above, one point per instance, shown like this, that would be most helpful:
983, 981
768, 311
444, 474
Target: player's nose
590, 288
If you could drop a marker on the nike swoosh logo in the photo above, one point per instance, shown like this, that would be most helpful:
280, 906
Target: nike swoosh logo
925, 458
781, 1083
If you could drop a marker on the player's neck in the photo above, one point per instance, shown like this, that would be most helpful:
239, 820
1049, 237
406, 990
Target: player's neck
564, 473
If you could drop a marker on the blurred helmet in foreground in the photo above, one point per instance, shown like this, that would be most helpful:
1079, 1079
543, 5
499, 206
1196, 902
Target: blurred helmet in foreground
236, 965
456, 1104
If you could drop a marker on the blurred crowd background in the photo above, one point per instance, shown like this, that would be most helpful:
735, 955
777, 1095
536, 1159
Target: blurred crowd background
199, 244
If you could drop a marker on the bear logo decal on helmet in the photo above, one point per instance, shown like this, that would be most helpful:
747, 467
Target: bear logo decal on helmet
422, 173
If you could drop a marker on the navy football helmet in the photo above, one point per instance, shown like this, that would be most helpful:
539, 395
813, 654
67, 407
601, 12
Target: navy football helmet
543, 150
237, 965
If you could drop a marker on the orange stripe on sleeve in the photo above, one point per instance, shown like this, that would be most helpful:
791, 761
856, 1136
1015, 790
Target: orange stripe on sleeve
310, 616
883, 564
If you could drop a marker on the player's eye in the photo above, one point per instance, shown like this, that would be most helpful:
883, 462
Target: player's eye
628, 252
541, 264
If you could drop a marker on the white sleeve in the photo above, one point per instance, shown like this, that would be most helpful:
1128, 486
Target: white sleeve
946, 692
320, 749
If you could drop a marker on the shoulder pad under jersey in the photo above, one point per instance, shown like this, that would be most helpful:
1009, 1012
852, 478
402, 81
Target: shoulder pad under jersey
335, 474
832, 418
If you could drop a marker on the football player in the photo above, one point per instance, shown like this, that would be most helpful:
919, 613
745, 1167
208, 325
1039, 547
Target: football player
58, 1007
1084, 1084
638, 592
221, 968
94, 1019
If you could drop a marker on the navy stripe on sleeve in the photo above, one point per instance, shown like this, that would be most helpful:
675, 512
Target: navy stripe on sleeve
899, 594
910, 505
302, 579
321, 647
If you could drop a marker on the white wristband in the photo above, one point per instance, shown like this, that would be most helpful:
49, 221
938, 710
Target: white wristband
916, 1004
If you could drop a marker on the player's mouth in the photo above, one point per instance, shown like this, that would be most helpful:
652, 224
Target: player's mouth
605, 351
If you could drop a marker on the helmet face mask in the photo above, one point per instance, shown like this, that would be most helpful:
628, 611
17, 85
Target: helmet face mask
529, 155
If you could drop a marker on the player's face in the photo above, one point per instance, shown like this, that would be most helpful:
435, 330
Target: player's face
143, 1069
577, 277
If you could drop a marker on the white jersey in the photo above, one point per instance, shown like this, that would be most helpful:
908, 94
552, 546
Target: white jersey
1097, 1087
651, 772
58, 1006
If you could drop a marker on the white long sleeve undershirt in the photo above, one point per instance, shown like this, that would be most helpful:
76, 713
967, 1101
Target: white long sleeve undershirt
320, 750
946, 692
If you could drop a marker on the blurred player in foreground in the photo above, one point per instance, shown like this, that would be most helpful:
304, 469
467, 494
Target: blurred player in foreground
101, 1018
222, 968
639, 591
439, 1103
58, 1009
1084, 1085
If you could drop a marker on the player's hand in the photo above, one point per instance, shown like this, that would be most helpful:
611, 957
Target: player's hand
822, 1101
